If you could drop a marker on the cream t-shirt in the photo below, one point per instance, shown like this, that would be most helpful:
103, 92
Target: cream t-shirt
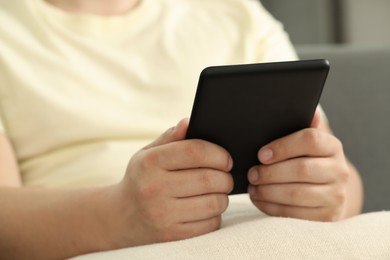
79, 93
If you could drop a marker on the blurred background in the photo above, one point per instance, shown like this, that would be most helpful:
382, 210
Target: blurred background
333, 21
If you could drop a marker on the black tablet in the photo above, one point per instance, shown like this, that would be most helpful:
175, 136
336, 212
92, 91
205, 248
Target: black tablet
244, 107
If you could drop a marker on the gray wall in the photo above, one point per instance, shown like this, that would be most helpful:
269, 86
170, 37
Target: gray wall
333, 21
307, 21
367, 21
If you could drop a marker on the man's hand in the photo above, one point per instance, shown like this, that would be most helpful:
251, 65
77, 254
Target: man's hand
175, 188
303, 175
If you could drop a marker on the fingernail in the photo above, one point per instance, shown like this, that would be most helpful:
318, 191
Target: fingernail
230, 163
265, 154
253, 176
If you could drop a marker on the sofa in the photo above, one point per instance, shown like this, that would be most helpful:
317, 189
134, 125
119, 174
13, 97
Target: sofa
355, 100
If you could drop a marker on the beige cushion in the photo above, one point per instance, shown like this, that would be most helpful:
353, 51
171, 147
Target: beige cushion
246, 233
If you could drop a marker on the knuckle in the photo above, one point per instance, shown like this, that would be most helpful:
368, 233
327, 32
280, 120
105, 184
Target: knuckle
195, 150
312, 138
149, 191
206, 180
148, 158
199, 151
216, 204
213, 181
215, 223
296, 194
340, 197
344, 175
303, 169
338, 144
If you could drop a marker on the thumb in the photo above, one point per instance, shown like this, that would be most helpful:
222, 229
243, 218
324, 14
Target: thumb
173, 134
316, 119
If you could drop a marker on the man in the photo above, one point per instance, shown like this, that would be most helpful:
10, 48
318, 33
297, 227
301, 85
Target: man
86, 84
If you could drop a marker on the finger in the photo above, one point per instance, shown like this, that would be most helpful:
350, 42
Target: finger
308, 213
316, 118
307, 142
303, 169
189, 154
193, 229
202, 207
302, 195
320, 121
188, 183
171, 135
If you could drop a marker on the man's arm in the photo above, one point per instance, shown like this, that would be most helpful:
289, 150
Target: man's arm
172, 189
56, 221
48, 224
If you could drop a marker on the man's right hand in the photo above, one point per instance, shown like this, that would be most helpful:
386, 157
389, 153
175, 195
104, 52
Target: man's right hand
175, 188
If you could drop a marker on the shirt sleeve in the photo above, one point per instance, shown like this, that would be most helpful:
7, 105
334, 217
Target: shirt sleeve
2, 128
2, 124
273, 42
